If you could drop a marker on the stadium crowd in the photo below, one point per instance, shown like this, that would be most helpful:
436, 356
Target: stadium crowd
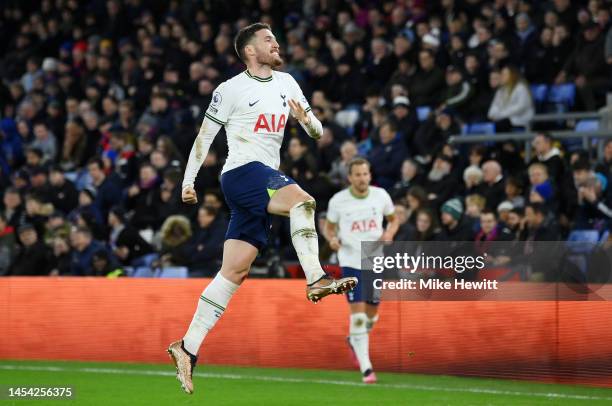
100, 102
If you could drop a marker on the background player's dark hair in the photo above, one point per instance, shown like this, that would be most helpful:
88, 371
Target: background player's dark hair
245, 35
357, 161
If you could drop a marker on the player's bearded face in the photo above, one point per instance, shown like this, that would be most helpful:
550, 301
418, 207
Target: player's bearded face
360, 178
267, 49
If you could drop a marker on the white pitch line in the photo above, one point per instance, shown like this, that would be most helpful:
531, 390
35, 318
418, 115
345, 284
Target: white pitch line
117, 371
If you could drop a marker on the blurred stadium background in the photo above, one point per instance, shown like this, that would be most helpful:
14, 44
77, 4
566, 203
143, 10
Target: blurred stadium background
503, 105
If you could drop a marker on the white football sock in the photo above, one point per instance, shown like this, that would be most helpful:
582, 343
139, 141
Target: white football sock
358, 336
305, 239
370, 323
211, 306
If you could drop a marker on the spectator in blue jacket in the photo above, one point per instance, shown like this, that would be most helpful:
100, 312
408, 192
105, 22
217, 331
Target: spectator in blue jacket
206, 245
387, 157
108, 188
84, 248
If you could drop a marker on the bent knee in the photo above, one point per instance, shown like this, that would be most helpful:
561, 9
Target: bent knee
306, 202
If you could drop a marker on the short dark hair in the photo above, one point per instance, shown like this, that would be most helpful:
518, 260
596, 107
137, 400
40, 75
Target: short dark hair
486, 211
84, 231
245, 35
97, 161
357, 161
546, 136
581, 165
538, 208
212, 211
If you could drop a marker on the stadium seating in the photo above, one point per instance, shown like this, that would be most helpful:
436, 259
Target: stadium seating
481, 128
539, 93
561, 98
587, 125
423, 112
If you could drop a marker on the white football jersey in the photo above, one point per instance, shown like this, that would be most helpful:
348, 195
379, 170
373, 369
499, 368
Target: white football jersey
254, 112
358, 219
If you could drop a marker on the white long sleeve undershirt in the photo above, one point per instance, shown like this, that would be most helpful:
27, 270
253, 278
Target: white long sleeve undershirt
199, 150
314, 129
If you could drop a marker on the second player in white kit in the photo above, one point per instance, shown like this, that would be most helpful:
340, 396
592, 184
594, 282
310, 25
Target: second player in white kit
354, 215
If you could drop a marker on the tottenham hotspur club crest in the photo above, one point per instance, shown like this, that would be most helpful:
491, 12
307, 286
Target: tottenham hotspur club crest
283, 96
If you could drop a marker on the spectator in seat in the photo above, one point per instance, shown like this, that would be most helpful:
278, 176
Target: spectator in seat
45, 141
122, 155
64, 195
538, 68
605, 165
205, 248
339, 169
416, 199
170, 194
62, 256
539, 224
327, 150
409, 177
34, 257
474, 206
458, 91
103, 264
550, 156
594, 204
387, 157
514, 192
525, 38
512, 105
404, 120
78, 147
472, 180
426, 227
542, 188
300, 164
493, 184
175, 234
441, 183
125, 241
8, 245
37, 212
586, 67
485, 93
143, 199
428, 83
84, 247
13, 210
433, 134
454, 228
39, 184
490, 230
108, 189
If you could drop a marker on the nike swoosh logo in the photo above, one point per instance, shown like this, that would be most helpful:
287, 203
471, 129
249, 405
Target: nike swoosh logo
254, 103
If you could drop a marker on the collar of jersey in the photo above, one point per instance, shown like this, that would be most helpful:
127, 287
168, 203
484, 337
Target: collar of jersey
356, 196
257, 78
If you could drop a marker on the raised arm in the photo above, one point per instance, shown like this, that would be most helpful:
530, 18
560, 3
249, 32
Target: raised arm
307, 119
302, 112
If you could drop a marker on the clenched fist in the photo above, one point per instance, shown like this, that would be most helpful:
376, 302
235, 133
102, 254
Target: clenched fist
189, 195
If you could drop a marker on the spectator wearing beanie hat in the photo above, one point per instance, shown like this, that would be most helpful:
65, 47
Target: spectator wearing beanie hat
454, 228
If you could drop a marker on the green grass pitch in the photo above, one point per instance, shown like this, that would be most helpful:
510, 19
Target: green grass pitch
140, 384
